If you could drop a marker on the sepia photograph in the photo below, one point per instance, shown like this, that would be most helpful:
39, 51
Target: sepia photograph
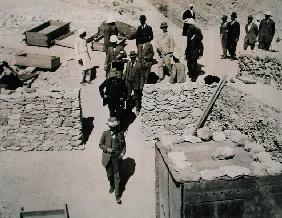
140, 109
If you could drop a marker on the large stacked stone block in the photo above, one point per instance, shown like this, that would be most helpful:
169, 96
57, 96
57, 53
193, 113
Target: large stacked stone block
264, 67
40, 120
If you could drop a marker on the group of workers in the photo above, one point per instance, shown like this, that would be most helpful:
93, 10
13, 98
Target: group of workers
263, 33
124, 77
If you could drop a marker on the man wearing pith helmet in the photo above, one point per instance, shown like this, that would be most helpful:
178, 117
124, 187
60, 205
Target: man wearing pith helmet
113, 146
165, 48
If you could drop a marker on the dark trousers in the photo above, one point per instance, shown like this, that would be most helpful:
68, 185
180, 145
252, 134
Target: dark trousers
138, 98
247, 44
263, 43
192, 68
232, 45
115, 108
113, 174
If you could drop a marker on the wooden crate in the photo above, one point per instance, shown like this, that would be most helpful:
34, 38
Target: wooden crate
37, 60
45, 34
245, 197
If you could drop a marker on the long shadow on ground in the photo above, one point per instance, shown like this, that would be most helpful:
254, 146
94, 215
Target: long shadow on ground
127, 170
87, 127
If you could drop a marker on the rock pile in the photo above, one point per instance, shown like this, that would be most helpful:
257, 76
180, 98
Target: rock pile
265, 68
173, 107
235, 110
40, 120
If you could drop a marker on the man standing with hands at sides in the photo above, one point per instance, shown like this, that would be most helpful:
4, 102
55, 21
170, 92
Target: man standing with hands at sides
251, 34
82, 54
266, 32
233, 36
194, 49
187, 15
223, 36
165, 48
113, 145
144, 34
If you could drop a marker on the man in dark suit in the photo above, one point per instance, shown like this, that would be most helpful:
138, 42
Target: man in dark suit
113, 91
266, 32
134, 79
144, 33
223, 36
186, 15
233, 35
115, 53
113, 145
194, 48
251, 34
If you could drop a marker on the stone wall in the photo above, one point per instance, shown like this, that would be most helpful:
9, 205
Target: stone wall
236, 110
264, 67
173, 107
40, 120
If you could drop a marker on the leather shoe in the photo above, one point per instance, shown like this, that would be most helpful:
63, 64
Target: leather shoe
118, 200
112, 189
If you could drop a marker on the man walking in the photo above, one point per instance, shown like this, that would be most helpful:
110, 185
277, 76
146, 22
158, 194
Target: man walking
115, 52
187, 15
266, 32
113, 91
82, 55
233, 35
135, 79
165, 48
194, 48
223, 36
113, 145
144, 34
251, 33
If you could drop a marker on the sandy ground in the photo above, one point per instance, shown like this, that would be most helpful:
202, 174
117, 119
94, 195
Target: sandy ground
44, 180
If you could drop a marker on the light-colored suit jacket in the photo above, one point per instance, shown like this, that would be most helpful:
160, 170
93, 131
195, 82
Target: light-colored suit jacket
252, 33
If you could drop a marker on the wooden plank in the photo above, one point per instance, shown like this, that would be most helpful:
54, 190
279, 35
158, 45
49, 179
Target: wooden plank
210, 103
157, 182
175, 198
37, 60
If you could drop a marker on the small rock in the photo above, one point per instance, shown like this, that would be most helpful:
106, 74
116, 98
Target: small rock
262, 157
223, 153
257, 169
273, 167
218, 136
204, 133
192, 139
236, 171
210, 175
253, 147
234, 135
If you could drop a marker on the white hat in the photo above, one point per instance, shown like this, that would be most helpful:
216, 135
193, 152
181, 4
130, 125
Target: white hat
81, 31
191, 5
113, 122
268, 13
113, 38
111, 20
189, 21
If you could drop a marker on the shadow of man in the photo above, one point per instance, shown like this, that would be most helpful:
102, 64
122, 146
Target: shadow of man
127, 170
87, 127
126, 119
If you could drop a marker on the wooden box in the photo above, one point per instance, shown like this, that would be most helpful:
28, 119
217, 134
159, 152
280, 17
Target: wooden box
37, 60
244, 197
58, 213
45, 34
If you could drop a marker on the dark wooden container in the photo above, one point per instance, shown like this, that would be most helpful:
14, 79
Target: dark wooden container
45, 34
246, 197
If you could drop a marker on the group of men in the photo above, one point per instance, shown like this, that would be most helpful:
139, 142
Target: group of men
230, 32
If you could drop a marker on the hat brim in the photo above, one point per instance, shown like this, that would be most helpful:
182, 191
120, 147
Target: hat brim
113, 124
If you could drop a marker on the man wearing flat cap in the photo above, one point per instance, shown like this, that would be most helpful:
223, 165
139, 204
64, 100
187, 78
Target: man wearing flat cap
134, 79
251, 33
266, 32
223, 36
165, 48
233, 35
186, 15
113, 146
